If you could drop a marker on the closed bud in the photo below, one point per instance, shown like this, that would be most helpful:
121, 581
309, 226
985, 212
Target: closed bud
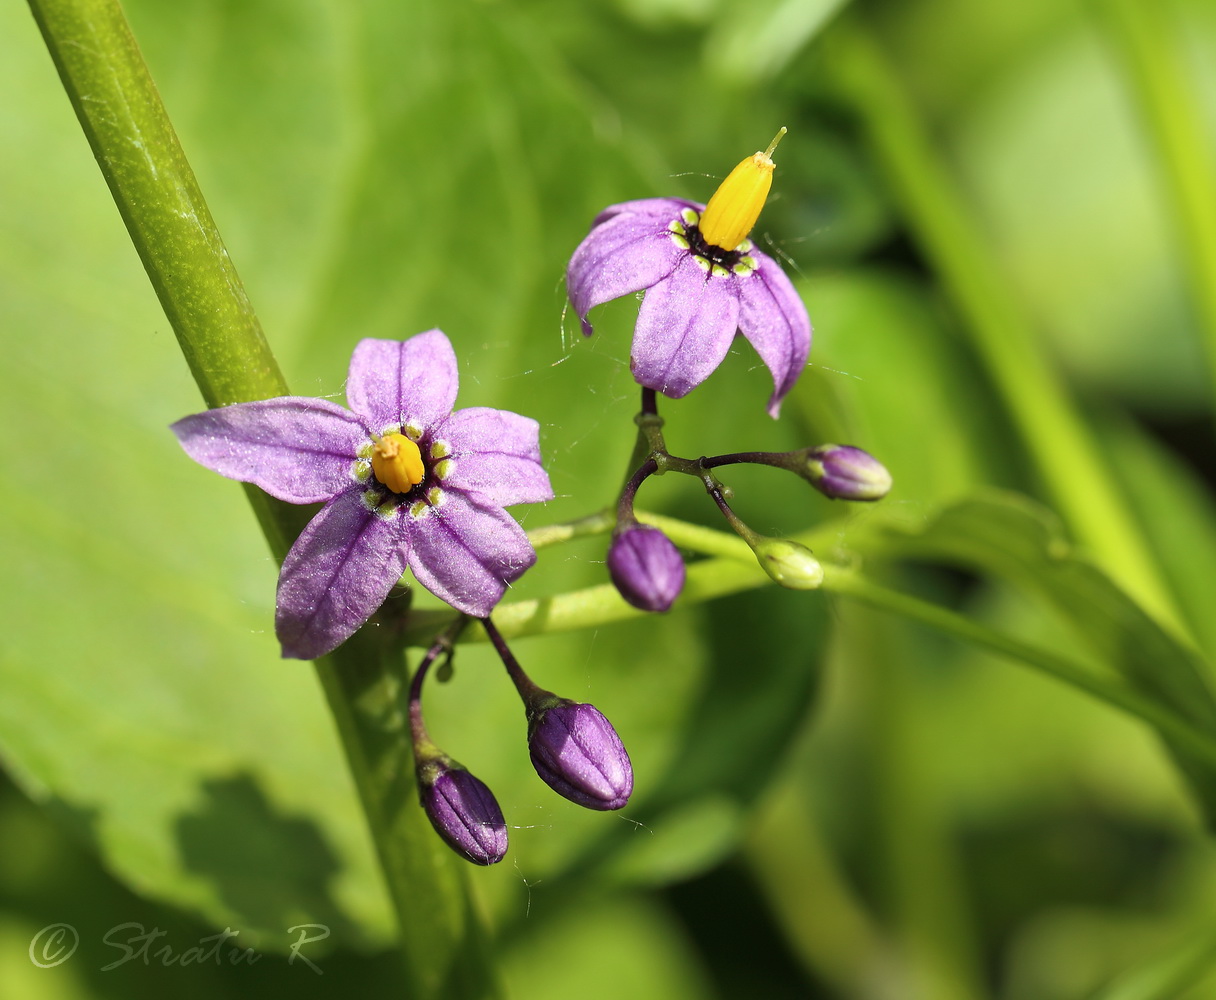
578, 754
843, 472
463, 811
646, 568
792, 565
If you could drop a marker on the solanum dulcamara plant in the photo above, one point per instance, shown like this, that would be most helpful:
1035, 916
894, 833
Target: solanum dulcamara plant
408, 483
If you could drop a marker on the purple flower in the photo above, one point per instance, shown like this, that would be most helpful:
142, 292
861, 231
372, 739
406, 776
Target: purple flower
463, 812
704, 283
646, 568
405, 481
578, 754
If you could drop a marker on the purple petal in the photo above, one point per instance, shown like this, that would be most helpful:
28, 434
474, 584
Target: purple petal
296, 449
337, 575
655, 208
496, 453
412, 381
625, 254
466, 551
773, 318
685, 327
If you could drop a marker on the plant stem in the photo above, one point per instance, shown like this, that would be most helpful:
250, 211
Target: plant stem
733, 570
443, 942
159, 199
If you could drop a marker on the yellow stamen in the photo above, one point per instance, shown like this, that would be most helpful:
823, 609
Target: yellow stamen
736, 205
397, 462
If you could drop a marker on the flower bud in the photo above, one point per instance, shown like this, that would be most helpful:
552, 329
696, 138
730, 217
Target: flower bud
463, 811
792, 565
578, 754
843, 472
646, 568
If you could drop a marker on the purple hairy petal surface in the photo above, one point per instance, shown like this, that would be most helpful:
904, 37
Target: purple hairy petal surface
685, 327
296, 449
775, 322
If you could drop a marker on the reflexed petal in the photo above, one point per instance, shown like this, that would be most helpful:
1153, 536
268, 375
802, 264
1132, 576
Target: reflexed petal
392, 381
773, 318
625, 254
466, 551
685, 328
296, 449
496, 453
337, 574
655, 208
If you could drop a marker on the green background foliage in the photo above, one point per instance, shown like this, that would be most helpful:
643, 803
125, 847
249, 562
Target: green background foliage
830, 802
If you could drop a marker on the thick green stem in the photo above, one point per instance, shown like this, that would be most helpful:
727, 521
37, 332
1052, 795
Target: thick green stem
444, 944
1077, 481
158, 197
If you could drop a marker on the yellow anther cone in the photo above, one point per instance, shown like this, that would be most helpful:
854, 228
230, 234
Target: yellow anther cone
736, 205
397, 463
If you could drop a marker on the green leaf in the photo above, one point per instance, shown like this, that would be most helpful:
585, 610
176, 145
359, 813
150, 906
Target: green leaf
881, 353
1165, 977
1015, 539
1177, 516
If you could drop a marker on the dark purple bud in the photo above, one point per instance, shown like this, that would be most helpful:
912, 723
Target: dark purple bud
578, 754
843, 472
646, 568
463, 812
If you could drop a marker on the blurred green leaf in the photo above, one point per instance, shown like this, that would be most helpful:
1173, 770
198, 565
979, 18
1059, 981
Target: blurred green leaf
883, 354
1013, 538
626, 946
1165, 978
1113, 307
1177, 515
756, 42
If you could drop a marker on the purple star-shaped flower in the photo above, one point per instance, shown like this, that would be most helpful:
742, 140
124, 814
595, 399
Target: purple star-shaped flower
405, 481
698, 296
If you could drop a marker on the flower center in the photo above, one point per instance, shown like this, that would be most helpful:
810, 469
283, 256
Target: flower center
397, 462
735, 206
686, 233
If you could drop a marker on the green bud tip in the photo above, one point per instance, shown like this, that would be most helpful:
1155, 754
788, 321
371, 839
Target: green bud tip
791, 565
